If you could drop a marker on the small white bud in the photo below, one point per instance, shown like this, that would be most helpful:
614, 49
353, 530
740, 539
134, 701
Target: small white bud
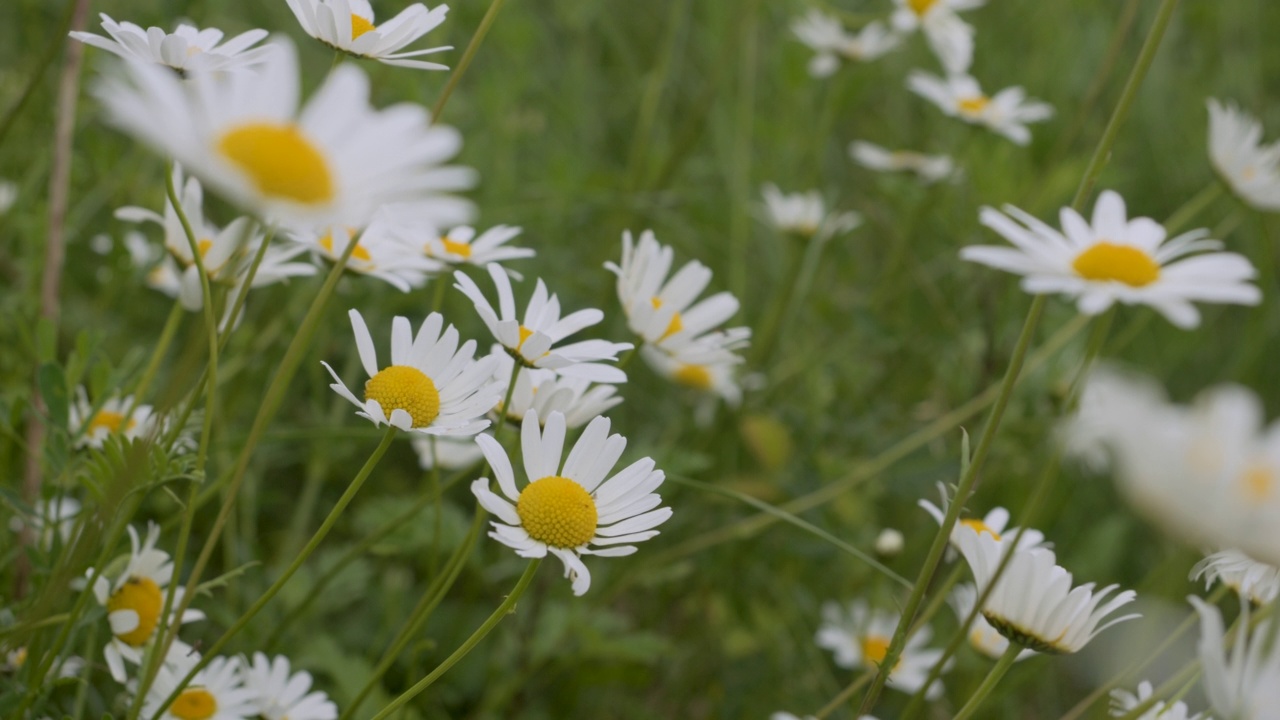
889, 542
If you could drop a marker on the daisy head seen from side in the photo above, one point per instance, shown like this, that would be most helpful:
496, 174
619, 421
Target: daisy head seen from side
859, 638
1007, 113
185, 50
569, 509
276, 693
1250, 168
348, 26
217, 692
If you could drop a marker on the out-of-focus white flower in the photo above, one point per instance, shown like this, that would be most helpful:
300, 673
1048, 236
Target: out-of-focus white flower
1251, 169
982, 637
217, 692
929, 168
386, 249
1123, 701
826, 36
460, 246
451, 453
347, 25
859, 638
715, 374
55, 517
1006, 113
186, 50
578, 399
277, 694
1243, 682
8, 195
1253, 580
889, 542
117, 416
805, 215
950, 37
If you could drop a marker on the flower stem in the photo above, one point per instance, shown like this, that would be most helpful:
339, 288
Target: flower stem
485, 23
844, 695
506, 401
997, 672
503, 610
153, 365
1193, 207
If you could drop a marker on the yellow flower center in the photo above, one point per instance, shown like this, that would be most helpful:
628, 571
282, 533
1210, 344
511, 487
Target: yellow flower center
697, 377
874, 648
1259, 483
973, 105
280, 161
454, 247
400, 387
1120, 263
676, 324
524, 335
195, 703
359, 253
920, 7
980, 527
19, 657
142, 596
111, 421
557, 511
359, 26
203, 246
1248, 173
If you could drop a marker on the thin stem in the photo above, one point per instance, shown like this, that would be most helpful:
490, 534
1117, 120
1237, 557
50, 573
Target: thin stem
771, 326
234, 314
1193, 207
437, 301
503, 610
485, 23
162, 347
844, 695
506, 401
993, 678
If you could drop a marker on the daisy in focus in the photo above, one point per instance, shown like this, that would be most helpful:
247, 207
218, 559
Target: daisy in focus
982, 637
1115, 259
532, 341
277, 694
1243, 681
804, 215
1256, 581
116, 416
1249, 168
432, 385
185, 50
859, 638
334, 161
217, 692
1123, 701
929, 168
545, 392
995, 523
461, 246
950, 38
830, 42
348, 26
1006, 113
569, 509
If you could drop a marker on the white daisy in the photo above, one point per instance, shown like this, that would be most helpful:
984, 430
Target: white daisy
694, 370
216, 692
1123, 701
385, 249
570, 510
451, 453
347, 25
1244, 684
859, 638
53, 518
1034, 604
135, 601
929, 168
335, 161
578, 399
995, 523
982, 637
532, 342
1006, 113
278, 695
186, 50
432, 386
1250, 169
826, 36
93, 428
1116, 260
950, 38
1257, 581
460, 246
805, 215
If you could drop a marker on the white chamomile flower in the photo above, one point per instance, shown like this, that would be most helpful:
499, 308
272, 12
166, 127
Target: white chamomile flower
335, 161
570, 509
1256, 581
460, 246
826, 36
277, 694
1251, 169
1006, 113
982, 637
1033, 604
116, 416
186, 50
578, 399
532, 342
1114, 259
53, 518
929, 168
135, 601
450, 453
384, 249
432, 386
805, 216
995, 523
715, 375
859, 638
1123, 701
347, 25
1242, 683
217, 692
950, 38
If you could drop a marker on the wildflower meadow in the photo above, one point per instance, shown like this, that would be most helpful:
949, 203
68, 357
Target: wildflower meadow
368, 359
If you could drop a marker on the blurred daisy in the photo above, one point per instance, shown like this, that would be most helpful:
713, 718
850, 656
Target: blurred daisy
216, 692
578, 399
347, 25
53, 518
186, 50
571, 510
1116, 260
859, 638
1006, 113
982, 637
929, 168
275, 694
889, 543
1250, 169
432, 386
1257, 581
1034, 604
460, 246
1246, 683
384, 249
334, 162
789, 716
950, 38
826, 36
805, 216
1123, 701
8, 195
532, 342
135, 601
92, 428
451, 453
693, 370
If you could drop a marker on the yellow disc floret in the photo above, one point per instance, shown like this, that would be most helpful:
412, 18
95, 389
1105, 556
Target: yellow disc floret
1258, 482
142, 596
359, 253
694, 376
973, 106
195, 703
453, 247
360, 26
557, 511
110, 421
920, 7
401, 387
980, 527
1120, 263
280, 161
676, 324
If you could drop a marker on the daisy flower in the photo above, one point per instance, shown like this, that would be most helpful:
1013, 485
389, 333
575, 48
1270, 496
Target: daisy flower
982, 637
1245, 683
995, 523
532, 342
185, 50
1114, 259
278, 695
335, 161
695, 369
826, 36
135, 601
216, 692
53, 518
432, 386
1250, 169
950, 38
1034, 604
384, 249
1006, 113
452, 453
571, 510
578, 399
92, 428
1123, 701
805, 216
929, 168
859, 638
347, 25
1257, 581
460, 246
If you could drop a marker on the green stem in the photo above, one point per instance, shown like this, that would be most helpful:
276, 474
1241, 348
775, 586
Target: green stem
771, 327
238, 304
1001, 667
503, 610
485, 23
437, 301
1193, 207
153, 365
844, 695
506, 402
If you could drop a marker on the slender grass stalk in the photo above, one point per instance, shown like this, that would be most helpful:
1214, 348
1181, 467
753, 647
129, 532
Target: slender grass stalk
507, 606
743, 130
1193, 207
157, 354
993, 678
844, 696
771, 325
456, 76
502, 422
